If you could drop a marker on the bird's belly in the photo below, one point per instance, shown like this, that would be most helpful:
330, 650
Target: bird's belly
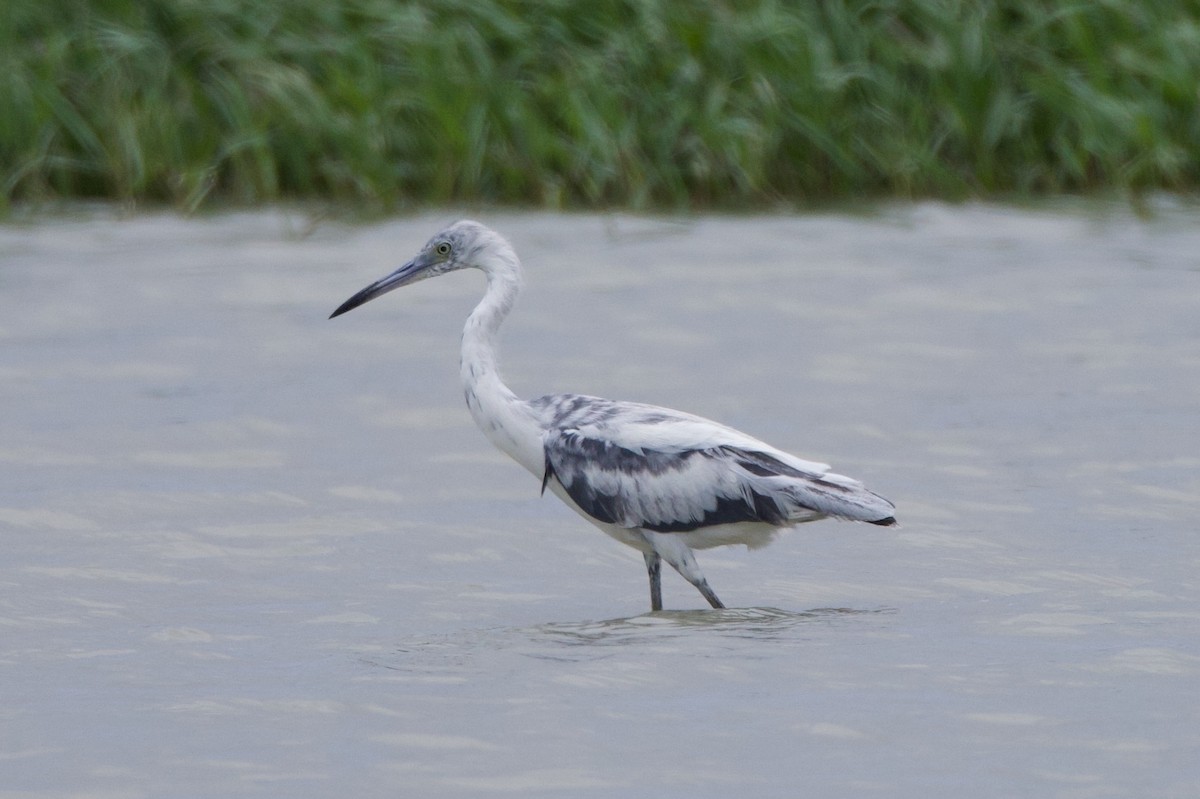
629, 536
751, 535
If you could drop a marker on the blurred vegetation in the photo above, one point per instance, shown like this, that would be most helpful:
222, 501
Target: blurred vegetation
634, 103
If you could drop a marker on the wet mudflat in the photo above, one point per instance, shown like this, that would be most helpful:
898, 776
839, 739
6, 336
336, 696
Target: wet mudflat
249, 551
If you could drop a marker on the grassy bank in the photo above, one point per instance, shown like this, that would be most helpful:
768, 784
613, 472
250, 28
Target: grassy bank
594, 102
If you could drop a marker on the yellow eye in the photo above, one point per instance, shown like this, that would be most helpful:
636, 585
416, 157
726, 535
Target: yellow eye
443, 248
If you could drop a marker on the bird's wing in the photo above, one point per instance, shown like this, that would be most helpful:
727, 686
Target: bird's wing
641, 466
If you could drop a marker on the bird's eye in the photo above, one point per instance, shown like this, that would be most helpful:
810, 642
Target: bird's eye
443, 248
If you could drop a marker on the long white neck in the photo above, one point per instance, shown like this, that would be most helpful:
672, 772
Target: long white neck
508, 422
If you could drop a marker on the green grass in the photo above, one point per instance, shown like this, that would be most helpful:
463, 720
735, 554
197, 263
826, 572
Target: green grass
635, 103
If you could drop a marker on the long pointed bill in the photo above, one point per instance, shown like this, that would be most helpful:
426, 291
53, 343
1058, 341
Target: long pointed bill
409, 273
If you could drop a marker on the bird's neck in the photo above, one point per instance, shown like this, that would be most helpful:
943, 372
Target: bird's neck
504, 419
478, 361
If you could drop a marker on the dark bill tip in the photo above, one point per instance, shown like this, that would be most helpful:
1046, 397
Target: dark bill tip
411, 271
358, 299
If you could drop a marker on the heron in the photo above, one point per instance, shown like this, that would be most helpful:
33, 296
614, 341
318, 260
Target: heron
661, 481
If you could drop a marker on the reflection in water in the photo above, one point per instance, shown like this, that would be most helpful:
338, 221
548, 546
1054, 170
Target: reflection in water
755, 623
453, 654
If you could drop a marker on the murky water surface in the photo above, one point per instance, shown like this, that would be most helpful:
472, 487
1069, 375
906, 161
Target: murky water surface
251, 552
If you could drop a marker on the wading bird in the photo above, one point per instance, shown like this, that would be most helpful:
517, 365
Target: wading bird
658, 480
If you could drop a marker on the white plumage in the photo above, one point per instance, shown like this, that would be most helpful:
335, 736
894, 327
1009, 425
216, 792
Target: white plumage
659, 480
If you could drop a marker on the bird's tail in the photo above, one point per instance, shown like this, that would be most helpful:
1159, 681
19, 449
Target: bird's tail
842, 497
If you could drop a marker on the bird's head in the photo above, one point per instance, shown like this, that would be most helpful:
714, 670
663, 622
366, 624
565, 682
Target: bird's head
462, 245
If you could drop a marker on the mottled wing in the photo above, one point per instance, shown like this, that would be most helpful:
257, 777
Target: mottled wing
639, 466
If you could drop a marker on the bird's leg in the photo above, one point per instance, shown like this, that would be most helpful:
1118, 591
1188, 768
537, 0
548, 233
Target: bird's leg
672, 549
708, 594
654, 569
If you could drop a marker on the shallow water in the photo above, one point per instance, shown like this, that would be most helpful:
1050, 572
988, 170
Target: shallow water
249, 551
